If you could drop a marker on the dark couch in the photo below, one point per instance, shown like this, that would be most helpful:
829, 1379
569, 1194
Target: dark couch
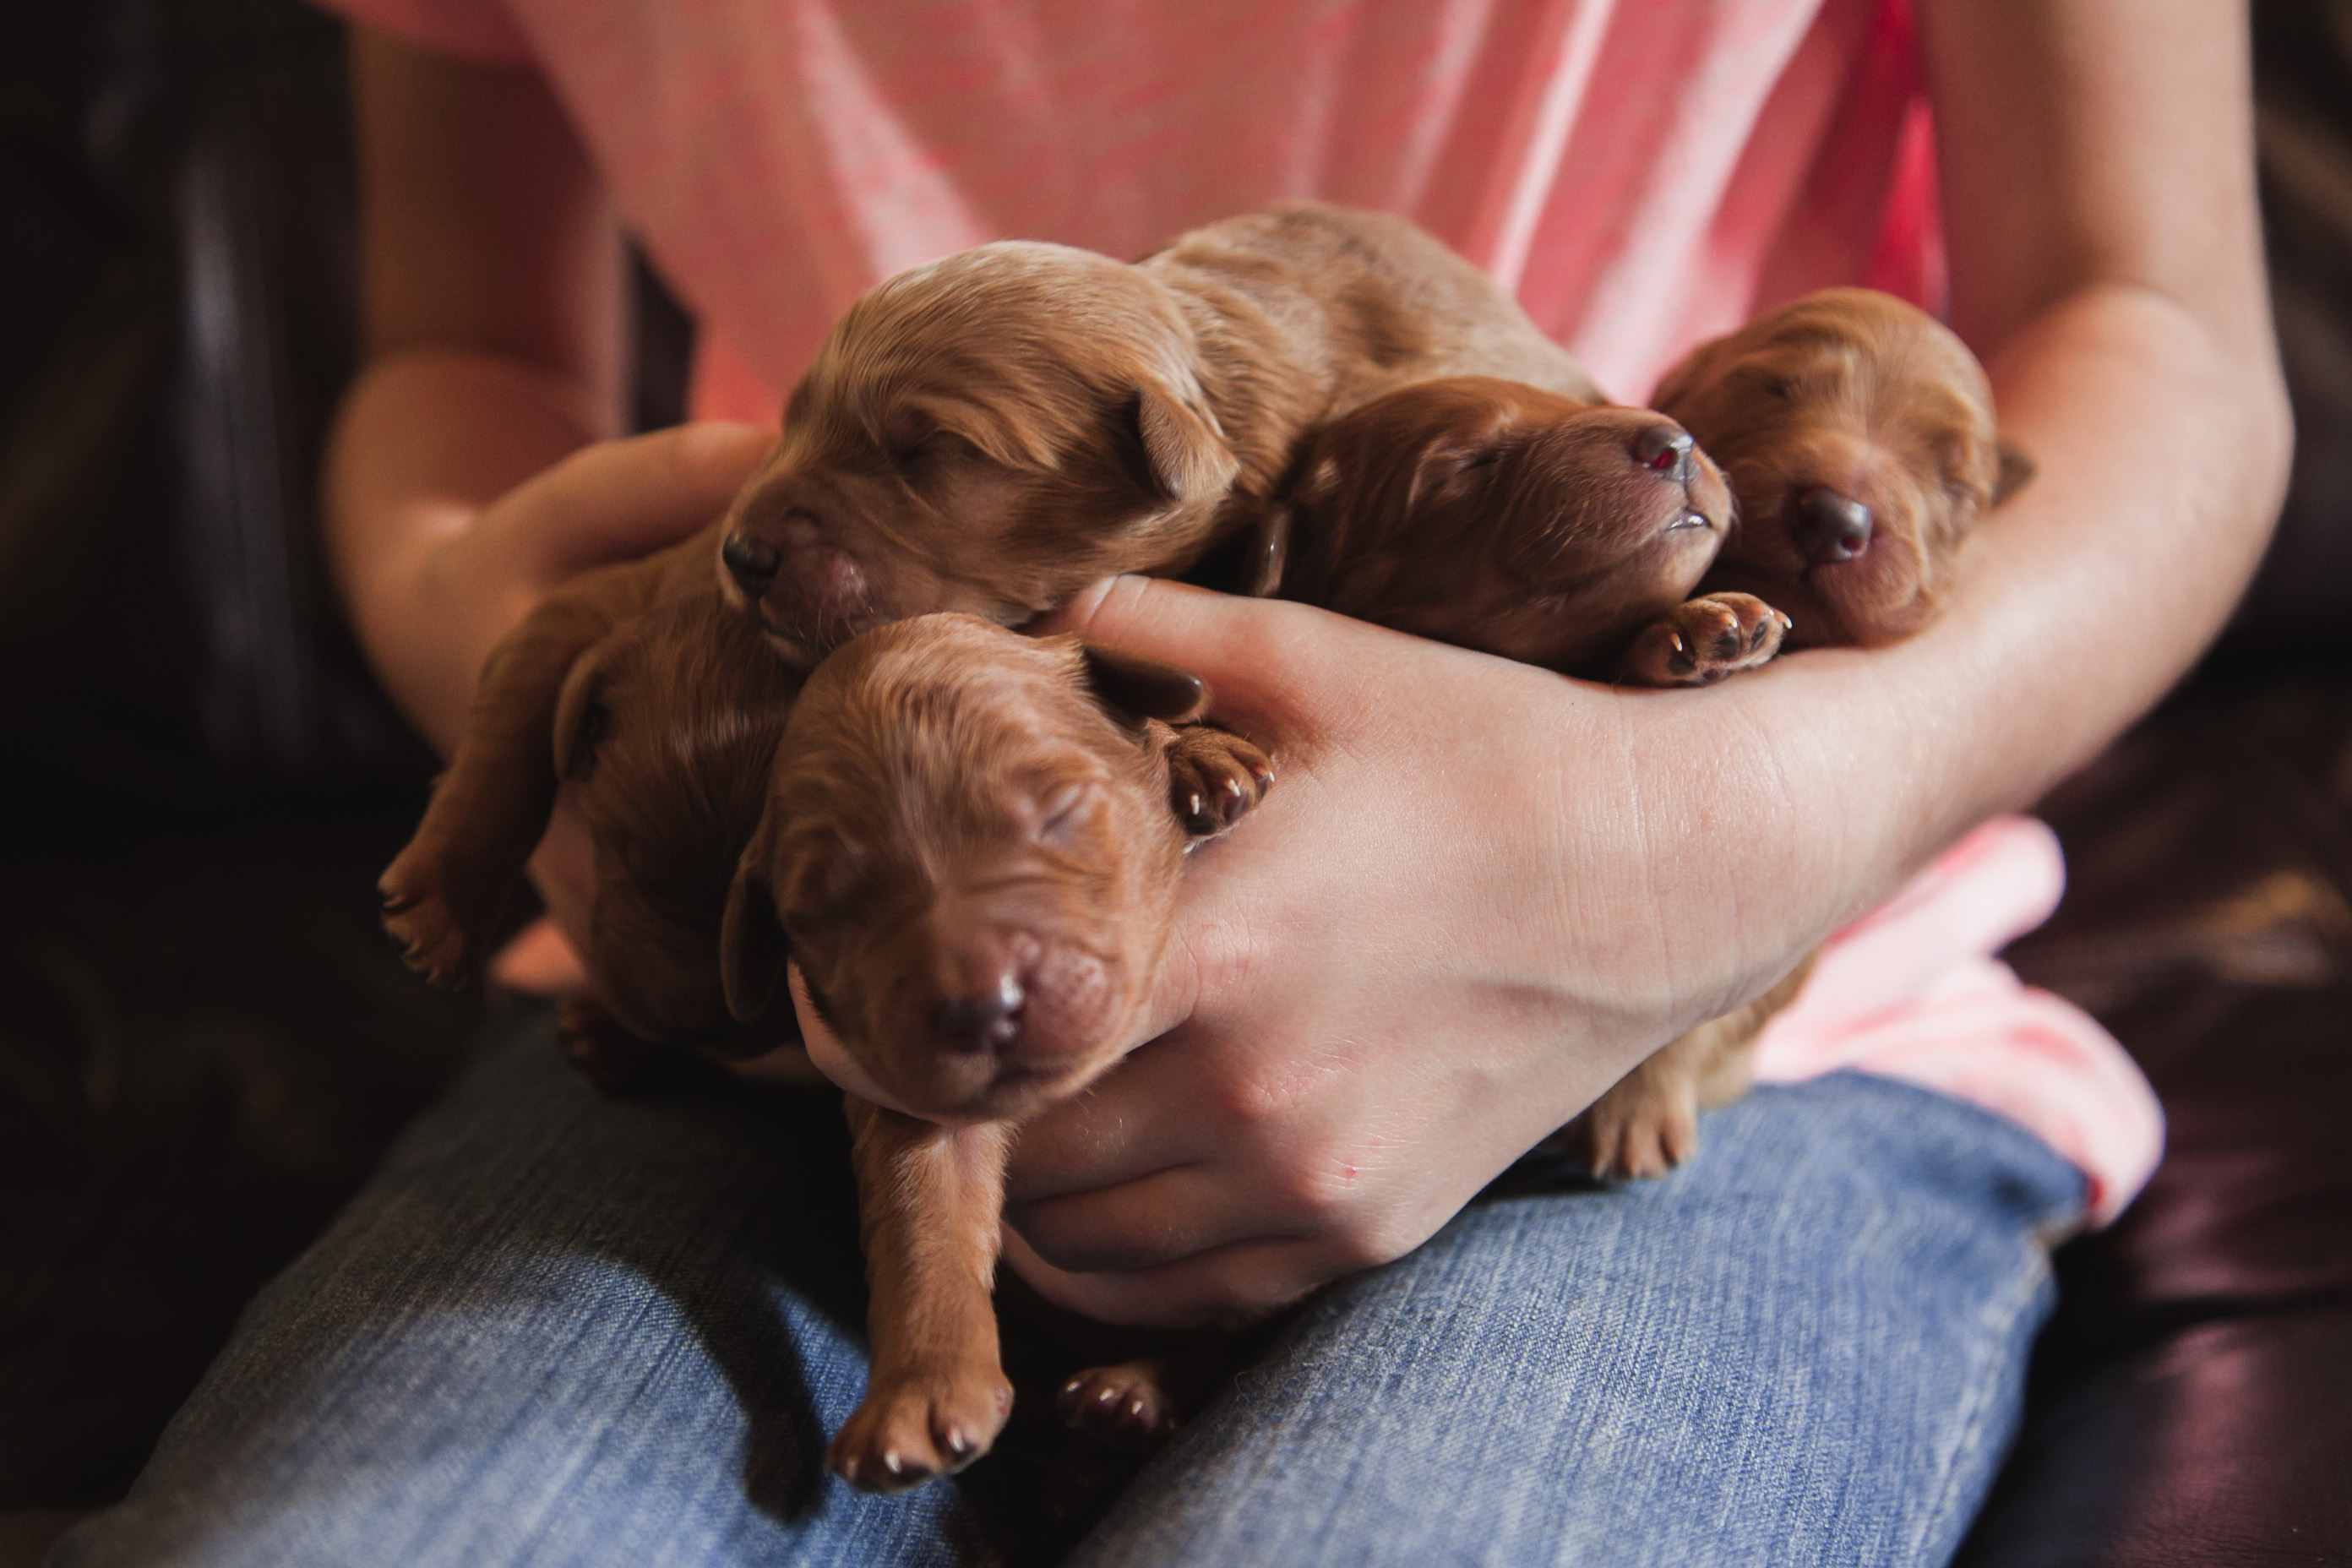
205, 1043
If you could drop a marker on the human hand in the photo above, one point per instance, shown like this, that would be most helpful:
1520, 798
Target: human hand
1477, 895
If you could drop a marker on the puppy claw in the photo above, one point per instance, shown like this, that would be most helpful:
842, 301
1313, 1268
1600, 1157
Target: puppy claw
1122, 1407
1703, 640
1215, 777
912, 1428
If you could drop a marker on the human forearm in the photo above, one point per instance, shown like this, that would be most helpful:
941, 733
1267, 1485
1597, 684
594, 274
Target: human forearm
2162, 449
425, 440
491, 314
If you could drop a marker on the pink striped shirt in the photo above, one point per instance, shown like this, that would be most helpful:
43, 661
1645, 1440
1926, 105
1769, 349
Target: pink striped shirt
1643, 173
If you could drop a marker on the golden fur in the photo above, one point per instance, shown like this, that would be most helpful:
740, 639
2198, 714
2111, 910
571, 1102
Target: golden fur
992, 431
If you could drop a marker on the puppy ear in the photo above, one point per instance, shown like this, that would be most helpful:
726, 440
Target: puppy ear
752, 942
2016, 470
580, 717
1141, 687
1184, 448
1269, 553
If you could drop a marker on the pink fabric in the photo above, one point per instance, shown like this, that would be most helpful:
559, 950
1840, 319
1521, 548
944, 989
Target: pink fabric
1643, 172
1911, 991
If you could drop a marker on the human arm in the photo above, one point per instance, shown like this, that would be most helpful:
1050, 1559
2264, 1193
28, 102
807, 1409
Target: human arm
472, 467
1477, 895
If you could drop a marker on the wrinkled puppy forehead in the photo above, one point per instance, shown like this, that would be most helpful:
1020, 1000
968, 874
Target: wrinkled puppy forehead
1395, 445
941, 724
1887, 347
1029, 333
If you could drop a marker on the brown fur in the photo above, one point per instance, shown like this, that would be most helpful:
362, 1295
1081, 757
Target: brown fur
957, 809
1854, 394
662, 707
1498, 516
992, 431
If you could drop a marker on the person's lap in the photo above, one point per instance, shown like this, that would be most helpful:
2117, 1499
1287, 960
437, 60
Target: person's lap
563, 1330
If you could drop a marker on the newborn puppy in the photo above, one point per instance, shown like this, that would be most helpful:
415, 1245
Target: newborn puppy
1491, 514
663, 707
969, 849
1857, 433
990, 432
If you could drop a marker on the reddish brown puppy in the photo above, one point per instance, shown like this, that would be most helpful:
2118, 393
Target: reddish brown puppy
992, 431
663, 707
1498, 516
969, 850
1857, 433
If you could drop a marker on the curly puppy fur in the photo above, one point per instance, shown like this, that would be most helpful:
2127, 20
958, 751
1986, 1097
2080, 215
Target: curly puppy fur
1500, 517
1857, 433
992, 431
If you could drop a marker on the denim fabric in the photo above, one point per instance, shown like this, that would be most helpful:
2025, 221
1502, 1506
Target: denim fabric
561, 1330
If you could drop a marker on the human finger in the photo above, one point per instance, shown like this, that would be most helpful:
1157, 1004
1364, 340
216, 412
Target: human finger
1164, 1218
1233, 1284
619, 500
539, 962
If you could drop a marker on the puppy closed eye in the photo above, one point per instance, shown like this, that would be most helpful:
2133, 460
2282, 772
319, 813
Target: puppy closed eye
1064, 815
932, 452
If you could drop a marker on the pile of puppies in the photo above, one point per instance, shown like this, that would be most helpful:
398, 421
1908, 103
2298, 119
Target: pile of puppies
809, 732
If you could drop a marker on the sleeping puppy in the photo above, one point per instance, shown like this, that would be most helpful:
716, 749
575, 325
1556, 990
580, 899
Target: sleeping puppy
969, 850
662, 707
1857, 433
1555, 530
992, 431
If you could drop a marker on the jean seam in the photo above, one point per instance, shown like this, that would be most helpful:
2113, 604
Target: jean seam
1998, 1325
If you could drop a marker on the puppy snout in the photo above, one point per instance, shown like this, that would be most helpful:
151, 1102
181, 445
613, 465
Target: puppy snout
752, 561
1666, 449
1831, 527
986, 1020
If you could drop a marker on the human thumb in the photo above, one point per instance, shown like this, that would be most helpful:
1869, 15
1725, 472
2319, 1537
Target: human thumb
1257, 655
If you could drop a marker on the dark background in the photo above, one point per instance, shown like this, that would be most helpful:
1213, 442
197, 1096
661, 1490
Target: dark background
205, 1043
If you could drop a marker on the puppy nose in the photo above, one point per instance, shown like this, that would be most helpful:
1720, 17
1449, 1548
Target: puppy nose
989, 1021
1666, 448
1831, 527
751, 562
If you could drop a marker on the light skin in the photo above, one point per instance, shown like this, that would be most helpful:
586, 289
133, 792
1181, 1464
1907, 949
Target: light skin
1478, 893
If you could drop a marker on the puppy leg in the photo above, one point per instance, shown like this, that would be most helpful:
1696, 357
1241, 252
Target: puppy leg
443, 895
616, 1061
1215, 777
1648, 1121
1702, 640
930, 1200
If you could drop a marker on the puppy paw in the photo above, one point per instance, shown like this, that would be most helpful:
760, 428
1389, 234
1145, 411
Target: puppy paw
1639, 1128
1215, 777
438, 922
1123, 1407
1702, 640
913, 1427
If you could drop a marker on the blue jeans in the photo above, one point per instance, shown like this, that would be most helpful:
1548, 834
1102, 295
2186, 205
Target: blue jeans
563, 1330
